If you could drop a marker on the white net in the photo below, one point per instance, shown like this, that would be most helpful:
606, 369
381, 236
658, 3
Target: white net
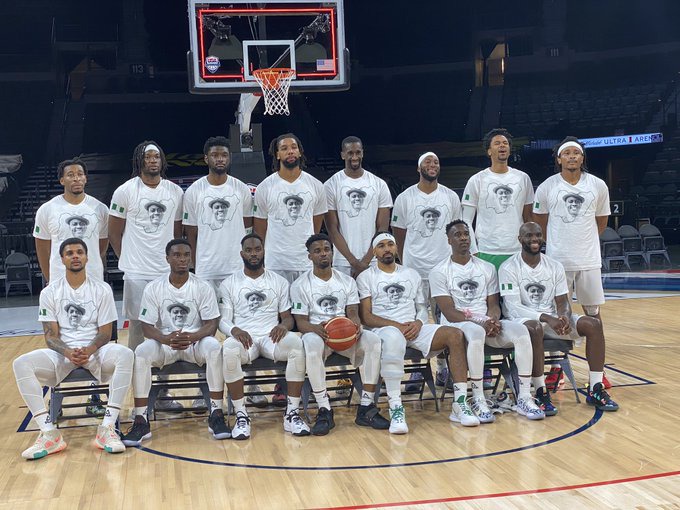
275, 84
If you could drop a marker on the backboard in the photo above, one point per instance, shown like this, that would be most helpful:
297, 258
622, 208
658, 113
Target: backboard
232, 38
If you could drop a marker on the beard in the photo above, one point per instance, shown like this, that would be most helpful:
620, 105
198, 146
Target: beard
427, 177
221, 171
291, 164
253, 266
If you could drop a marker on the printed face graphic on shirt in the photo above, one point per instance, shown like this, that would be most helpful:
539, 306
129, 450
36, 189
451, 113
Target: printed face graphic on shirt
328, 304
395, 294
293, 207
75, 314
535, 293
572, 205
430, 219
500, 197
152, 215
179, 315
76, 225
353, 201
218, 210
468, 289
255, 300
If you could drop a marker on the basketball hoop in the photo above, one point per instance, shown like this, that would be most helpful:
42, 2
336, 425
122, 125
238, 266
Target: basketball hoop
275, 83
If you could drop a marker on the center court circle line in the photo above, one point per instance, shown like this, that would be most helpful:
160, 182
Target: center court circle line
596, 417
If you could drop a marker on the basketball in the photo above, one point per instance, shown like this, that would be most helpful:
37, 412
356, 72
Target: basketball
342, 333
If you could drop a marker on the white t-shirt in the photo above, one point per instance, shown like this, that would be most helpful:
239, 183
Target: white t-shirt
218, 212
254, 304
79, 312
572, 236
529, 291
150, 215
322, 300
171, 309
393, 295
58, 220
424, 217
357, 202
499, 200
468, 285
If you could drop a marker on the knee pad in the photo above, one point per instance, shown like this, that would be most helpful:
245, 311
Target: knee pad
591, 310
370, 342
313, 344
295, 368
231, 360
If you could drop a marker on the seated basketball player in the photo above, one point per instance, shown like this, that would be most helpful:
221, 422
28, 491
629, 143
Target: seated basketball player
312, 293
549, 311
477, 314
72, 344
405, 324
262, 330
179, 318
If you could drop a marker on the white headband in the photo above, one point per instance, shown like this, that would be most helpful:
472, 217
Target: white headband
382, 237
422, 158
569, 144
151, 147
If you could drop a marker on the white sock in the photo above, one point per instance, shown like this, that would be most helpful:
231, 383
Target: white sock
141, 411
322, 399
524, 386
477, 387
215, 404
240, 405
595, 377
110, 416
394, 400
293, 404
460, 392
538, 382
44, 422
367, 398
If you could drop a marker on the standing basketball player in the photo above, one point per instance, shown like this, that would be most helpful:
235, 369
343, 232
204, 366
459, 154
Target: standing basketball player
139, 234
311, 294
260, 327
72, 344
179, 318
501, 198
358, 206
289, 207
405, 325
572, 208
529, 269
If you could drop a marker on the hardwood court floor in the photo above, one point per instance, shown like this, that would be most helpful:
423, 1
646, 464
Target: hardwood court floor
579, 458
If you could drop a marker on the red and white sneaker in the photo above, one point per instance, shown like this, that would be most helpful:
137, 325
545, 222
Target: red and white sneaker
555, 379
47, 443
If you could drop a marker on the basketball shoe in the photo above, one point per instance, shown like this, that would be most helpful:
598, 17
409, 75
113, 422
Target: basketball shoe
324, 422
527, 407
481, 409
217, 426
398, 420
140, 431
107, 439
544, 402
293, 423
462, 413
599, 398
241, 428
369, 416
48, 442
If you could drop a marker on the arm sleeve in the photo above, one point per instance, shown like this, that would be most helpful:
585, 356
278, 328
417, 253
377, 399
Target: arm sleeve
226, 308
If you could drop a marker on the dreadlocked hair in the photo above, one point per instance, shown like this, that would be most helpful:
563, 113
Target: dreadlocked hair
274, 148
138, 158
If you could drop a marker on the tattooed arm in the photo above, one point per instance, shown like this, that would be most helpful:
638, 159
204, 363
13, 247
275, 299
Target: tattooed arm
54, 342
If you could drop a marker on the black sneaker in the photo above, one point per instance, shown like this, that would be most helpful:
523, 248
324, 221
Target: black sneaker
544, 402
599, 398
369, 416
324, 422
217, 426
140, 431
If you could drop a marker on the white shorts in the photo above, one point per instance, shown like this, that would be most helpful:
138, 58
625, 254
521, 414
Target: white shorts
588, 286
63, 366
164, 355
132, 298
423, 341
264, 346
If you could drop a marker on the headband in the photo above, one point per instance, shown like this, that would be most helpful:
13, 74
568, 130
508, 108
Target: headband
382, 237
569, 144
151, 147
421, 158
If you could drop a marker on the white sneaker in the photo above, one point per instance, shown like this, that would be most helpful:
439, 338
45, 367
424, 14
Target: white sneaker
198, 406
481, 410
398, 420
293, 423
47, 443
241, 428
462, 413
527, 407
256, 400
107, 439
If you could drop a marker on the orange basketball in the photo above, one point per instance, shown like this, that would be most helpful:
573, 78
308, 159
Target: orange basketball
342, 333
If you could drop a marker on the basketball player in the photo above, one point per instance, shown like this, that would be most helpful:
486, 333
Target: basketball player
572, 208
407, 325
500, 197
179, 317
289, 207
421, 240
85, 344
139, 232
307, 293
261, 331
478, 316
552, 316
74, 213
358, 205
